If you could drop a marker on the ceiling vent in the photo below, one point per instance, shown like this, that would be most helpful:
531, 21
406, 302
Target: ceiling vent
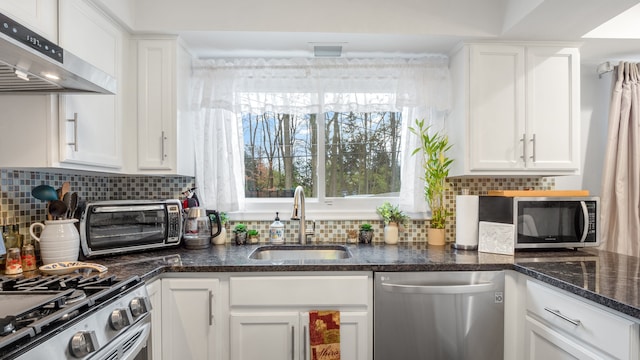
327, 50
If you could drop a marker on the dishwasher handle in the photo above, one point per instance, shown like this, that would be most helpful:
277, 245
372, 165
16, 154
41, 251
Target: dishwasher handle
439, 289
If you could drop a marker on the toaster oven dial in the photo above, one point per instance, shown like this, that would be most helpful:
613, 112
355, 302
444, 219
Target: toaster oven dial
120, 318
139, 306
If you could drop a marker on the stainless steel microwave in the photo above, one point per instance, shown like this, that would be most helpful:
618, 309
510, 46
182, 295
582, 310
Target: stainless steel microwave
120, 226
542, 222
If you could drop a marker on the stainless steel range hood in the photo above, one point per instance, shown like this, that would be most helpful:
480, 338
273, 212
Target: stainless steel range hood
31, 64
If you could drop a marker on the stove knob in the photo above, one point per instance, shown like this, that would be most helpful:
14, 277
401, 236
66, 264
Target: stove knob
139, 306
83, 343
120, 318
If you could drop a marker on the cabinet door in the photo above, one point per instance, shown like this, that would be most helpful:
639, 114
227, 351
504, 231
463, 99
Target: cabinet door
553, 108
264, 336
189, 318
543, 343
38, 15
496, 107
90, 125
156, 104
155, 297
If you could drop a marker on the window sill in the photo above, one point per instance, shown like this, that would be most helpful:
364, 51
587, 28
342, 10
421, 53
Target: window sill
285, 214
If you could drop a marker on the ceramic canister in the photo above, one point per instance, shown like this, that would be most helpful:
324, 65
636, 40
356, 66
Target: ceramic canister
59, 240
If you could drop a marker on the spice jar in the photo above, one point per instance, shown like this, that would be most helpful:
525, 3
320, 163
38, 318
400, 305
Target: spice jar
14, 262
28, 258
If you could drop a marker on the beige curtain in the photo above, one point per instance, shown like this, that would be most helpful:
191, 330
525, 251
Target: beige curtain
620, 198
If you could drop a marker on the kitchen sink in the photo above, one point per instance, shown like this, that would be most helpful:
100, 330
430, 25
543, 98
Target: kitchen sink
300, 252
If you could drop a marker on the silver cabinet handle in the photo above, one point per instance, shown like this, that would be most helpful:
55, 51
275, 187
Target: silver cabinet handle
293, 340
563, 316
75, 131
524, 145
533, 148
164, 153
304, 343
438, 289
210, 308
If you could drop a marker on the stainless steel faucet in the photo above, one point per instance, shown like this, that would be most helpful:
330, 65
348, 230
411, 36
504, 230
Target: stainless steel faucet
299, 214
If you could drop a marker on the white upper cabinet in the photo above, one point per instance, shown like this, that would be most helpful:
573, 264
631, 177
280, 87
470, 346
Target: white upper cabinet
516, 110
37, 128
40, 16
91, 125
165, 140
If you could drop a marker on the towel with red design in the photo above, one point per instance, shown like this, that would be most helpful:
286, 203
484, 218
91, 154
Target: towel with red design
324, 331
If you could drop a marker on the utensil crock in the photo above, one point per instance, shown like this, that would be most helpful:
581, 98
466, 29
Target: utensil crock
59, 240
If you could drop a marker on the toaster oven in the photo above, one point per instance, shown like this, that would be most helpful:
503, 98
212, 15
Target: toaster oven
120, 226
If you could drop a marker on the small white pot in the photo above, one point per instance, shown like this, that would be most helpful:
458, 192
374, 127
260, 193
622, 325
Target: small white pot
391, 234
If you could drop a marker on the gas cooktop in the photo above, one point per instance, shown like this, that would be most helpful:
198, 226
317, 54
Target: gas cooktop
34, 309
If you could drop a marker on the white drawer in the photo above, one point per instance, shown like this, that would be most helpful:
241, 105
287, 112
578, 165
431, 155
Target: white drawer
315, 291
598, 328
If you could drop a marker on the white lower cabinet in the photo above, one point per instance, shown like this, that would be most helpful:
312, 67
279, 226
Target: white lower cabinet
154, 289
264, 335
269, 315
560, 326
189, 318
545, 343
285, 335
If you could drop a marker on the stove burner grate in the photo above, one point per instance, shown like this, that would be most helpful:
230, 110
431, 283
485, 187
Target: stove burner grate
7, 325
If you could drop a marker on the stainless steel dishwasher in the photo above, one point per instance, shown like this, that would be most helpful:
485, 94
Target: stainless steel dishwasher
438, 315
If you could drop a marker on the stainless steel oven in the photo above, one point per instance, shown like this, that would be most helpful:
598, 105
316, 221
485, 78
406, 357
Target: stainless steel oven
74, 316
110, 227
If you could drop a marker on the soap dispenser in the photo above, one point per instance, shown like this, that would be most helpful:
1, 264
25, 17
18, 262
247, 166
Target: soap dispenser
276, 231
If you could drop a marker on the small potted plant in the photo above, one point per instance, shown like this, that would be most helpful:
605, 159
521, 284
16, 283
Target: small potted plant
436, 167
392, 217
240, 231
221, 239
254, 236
366, 233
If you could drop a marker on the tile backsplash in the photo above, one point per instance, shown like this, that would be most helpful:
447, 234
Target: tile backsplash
416, 231
17, 206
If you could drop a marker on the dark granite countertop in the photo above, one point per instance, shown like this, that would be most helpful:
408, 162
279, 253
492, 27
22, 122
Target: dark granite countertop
605, 278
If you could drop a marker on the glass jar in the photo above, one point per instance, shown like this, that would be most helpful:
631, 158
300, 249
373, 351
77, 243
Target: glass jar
13, 262
28, 256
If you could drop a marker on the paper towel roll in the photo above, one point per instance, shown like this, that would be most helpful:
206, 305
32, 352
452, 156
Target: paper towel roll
466, 222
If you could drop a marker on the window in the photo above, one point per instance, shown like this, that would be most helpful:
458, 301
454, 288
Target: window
335, 154
337, 127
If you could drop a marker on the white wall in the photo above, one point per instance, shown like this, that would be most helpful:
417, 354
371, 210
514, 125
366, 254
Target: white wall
595, 97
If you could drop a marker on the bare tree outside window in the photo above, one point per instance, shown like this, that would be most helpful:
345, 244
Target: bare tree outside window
361, 154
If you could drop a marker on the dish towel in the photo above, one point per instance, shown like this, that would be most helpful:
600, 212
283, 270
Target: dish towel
324, 331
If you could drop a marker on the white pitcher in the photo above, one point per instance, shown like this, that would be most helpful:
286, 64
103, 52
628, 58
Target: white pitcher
59, 240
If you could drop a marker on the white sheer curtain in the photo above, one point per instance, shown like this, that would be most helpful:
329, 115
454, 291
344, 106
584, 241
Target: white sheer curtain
621, 176
225, 88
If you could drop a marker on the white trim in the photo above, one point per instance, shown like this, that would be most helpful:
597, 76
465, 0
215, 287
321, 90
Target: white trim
331, 209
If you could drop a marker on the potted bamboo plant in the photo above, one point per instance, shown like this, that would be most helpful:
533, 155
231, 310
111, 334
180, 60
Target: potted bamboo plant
392, 217
436, 167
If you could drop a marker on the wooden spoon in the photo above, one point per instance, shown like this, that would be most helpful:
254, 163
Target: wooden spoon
66, 187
